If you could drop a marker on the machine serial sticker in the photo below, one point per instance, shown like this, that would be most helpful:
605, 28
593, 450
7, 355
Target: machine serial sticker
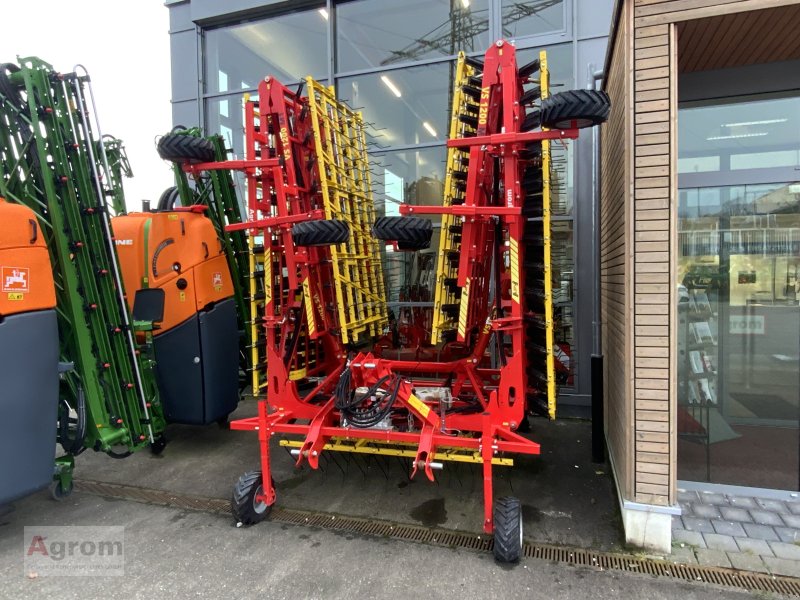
419, 405
15, 279
183, 296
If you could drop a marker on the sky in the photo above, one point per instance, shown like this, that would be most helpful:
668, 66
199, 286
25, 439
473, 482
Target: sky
124, 44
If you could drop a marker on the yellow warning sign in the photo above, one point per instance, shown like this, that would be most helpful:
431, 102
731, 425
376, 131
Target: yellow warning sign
419, 405
16, 296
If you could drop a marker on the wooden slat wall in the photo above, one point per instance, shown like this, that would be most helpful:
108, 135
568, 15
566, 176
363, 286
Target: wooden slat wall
615, 226
652, 180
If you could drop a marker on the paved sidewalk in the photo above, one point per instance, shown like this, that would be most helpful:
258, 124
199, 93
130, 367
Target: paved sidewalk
743, 532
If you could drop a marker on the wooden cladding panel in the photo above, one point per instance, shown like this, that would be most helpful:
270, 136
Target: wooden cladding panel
653, 156
615, 260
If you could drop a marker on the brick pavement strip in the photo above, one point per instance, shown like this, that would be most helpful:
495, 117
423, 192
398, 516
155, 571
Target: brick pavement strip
712, 558
728, 528
765, 517
788, 534
691, 538
704, 525
761, 532
791, 520
715, 541
682, 555
784, 550
747, 562
712, 498
706, 511
686, 496
743, 502
794, 507
772, 505
730, 513
752, 546
782, 566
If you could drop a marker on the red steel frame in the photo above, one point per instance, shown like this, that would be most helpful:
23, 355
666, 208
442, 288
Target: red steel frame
282, 172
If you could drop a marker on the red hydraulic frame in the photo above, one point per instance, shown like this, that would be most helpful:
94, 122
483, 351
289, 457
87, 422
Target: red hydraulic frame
485, 404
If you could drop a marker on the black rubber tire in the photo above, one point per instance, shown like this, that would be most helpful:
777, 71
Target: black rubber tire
185, 148
59, 492
507, 530
586, 107
244, 507
168, 199
320, 233
410, 233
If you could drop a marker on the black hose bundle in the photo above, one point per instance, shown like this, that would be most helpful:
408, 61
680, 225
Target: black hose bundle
368, 409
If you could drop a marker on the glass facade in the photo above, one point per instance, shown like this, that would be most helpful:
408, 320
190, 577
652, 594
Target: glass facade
394, 61
739, 285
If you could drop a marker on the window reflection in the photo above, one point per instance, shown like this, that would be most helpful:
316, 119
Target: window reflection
238, 57
372, 33
533, 17
405, 106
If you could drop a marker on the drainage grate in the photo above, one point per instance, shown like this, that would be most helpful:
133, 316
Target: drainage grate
440, 537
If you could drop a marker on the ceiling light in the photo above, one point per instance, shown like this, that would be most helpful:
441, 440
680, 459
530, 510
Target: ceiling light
746, 123
465, 3
324, 13
428, 128
390, 84
731, 137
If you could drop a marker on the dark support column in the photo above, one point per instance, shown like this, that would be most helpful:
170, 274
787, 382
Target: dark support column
598, 437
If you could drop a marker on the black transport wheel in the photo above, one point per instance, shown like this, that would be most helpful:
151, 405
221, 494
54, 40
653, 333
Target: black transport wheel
59, 491
168, 199
410, 233
584, 107
244, 506
507, 530
185, 148
320, 233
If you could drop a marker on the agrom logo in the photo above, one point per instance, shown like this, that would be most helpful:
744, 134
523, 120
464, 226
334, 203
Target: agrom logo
216, 281
15, 279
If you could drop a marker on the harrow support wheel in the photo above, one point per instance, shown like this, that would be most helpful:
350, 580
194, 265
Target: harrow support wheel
245, 506
583, 108
507, 530
181, 148
59, 490
320, 233
410, 233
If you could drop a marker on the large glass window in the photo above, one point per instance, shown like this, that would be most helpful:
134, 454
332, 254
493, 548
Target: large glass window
738, 276
374, 33
289, 47
755, 134
406, 106
533, 17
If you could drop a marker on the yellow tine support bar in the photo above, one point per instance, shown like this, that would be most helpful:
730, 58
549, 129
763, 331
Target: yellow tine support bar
547, 175
373, 447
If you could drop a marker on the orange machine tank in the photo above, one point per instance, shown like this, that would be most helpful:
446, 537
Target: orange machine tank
28, 355
197, 344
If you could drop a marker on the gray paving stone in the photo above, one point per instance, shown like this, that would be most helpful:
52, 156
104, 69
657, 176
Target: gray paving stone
781, 566
687, 509
690, 538
752, 546
747, 562
702, 525
728, 528
712, 558
742, 501
772, 505
761, 532
765, 517
715, 541
730, 513
686, 496
676, 522
712, 498
707, 511
784, 550
683, 555
794, 507
788, 534
791, 520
